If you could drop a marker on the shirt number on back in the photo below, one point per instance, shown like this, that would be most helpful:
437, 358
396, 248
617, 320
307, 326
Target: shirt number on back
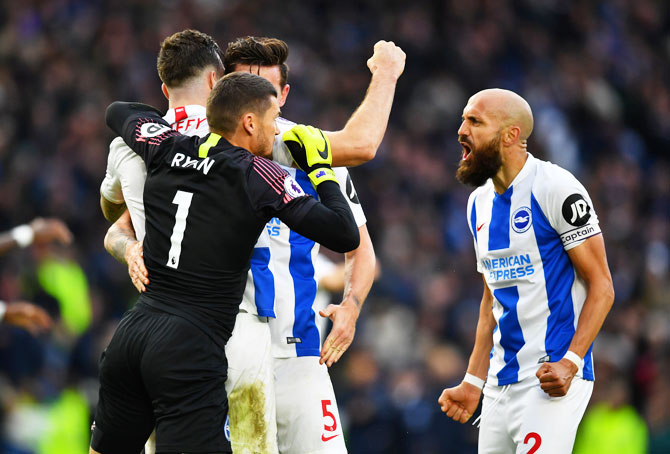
183, 201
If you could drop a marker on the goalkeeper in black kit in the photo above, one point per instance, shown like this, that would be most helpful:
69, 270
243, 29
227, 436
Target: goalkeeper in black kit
206, 201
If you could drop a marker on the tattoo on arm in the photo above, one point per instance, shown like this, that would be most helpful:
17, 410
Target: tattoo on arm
117, 239
111, 211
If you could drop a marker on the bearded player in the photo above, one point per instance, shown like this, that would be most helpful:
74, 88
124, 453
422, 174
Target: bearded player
547, 285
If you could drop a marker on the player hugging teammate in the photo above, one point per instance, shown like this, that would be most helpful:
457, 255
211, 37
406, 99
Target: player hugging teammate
276, 338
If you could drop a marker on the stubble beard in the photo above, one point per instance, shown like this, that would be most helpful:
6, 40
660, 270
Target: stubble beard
483, 163
264, 145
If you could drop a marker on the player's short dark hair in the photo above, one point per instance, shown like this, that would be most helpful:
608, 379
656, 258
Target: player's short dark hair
234, 95
186, 53
255, 51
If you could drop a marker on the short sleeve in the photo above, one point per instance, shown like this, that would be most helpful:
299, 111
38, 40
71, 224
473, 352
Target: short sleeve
569, 209
110, 188
349, 192
125, 176
272, 190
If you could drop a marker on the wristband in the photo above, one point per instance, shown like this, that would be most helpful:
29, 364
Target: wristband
473, 380
3, 309
322, 174
573, 358
23, 235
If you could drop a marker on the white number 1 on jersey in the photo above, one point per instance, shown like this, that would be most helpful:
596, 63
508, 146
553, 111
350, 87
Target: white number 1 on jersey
183, 201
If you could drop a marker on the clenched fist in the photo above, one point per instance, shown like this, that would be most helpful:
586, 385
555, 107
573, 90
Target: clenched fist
460, 402
387, 59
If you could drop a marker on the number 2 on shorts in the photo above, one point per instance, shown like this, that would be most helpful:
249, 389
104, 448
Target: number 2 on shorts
538, 441
183, 201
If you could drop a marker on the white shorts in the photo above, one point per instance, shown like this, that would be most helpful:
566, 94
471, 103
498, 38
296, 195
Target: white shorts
252, 426
307, 417
525, 418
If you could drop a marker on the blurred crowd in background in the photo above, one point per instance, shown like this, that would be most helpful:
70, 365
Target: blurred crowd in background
596, 73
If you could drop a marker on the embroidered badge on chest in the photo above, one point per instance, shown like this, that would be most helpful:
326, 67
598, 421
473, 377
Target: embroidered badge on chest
521, 219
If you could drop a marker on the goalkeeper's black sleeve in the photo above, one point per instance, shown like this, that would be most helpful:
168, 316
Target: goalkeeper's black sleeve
330, 222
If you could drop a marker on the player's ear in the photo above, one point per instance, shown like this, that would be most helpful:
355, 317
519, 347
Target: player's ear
165, 91
249, 123
283, 95
211, 79
511, 135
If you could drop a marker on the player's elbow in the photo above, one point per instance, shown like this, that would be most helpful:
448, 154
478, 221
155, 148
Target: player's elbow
605, 291
365, 150
108, 240
368, 151
349, 239
113, 113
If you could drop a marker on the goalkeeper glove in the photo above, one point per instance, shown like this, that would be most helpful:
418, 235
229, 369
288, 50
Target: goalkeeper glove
310, 150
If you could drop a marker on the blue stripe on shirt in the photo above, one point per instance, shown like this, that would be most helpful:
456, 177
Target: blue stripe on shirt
473, 219
304, 285
511, 336
500, 219
559, 276
264, 282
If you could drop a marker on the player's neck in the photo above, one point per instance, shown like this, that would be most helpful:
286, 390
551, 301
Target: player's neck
188, 96
179, 101
512, 165
239, 140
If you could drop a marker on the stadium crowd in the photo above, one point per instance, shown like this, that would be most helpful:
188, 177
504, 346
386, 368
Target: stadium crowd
596, 73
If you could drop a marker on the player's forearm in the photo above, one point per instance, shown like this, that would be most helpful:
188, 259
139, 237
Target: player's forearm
599, 300
19, 236
330, 222
478, 365
119, 112
359, 271
7, 242
112, 211
358, 141
119, 236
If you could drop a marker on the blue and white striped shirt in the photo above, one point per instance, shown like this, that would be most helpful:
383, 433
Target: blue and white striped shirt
521, 238
281, 282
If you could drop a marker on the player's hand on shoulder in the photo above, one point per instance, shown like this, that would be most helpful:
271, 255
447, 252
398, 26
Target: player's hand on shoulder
28, 316
387, 58
555, 378
460, 402
136, 269
308, 145
47, 230
310, 149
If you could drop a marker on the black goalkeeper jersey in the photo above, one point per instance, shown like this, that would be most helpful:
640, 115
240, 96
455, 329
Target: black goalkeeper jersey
206, 202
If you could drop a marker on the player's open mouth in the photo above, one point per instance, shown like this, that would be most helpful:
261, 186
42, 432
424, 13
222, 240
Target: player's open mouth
466, 150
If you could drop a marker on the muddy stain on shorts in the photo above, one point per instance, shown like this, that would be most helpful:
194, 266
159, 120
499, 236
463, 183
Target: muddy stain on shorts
248, 427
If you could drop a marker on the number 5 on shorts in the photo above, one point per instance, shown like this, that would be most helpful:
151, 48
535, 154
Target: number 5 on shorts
328, 414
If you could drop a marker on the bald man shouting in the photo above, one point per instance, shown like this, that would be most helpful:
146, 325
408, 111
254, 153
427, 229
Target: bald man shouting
547, 286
